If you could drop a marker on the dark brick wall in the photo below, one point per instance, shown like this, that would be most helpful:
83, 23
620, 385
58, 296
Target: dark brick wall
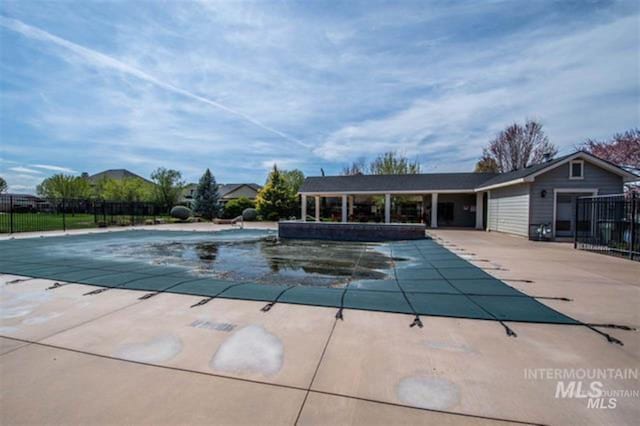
351, 231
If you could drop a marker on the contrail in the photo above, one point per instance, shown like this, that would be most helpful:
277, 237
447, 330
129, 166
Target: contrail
102, 60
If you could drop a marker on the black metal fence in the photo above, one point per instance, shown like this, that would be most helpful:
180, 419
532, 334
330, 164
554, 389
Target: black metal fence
27, 213
609, 224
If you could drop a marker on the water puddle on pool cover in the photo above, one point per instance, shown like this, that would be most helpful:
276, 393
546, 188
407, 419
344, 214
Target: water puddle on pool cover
264, 261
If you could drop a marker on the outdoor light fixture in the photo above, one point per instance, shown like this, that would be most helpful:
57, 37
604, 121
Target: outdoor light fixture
543, 193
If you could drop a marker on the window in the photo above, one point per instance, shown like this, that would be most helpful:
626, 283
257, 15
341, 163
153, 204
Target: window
576, 169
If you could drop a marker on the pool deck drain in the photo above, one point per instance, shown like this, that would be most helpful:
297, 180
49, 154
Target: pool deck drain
360, 378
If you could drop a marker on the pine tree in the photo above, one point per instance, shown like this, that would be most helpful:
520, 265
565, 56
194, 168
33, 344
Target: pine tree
275, 200
206, 200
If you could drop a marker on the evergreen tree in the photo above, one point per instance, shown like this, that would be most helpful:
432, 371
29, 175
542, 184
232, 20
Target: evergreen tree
206, 200
275, 200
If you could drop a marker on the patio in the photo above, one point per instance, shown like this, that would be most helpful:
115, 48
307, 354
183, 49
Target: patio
112, 358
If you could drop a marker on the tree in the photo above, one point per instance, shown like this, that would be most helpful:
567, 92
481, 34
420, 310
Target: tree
3, 185
235, 207
517, 147
126, 189
64, 186
293, 179
389, 163
392, 163
358, 167
275, 200
623, 149
206, 202
486, 165
168, 185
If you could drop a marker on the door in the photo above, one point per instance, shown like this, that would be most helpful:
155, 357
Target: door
566, 203
564, 215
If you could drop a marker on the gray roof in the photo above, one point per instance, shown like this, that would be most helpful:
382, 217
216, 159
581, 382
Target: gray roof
522, 173
381, 183
223, 189
116, 174
227, 188
431, 181
7, 195
527, 171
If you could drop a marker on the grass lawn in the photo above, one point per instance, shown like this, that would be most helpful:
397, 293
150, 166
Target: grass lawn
36, 222
29, 222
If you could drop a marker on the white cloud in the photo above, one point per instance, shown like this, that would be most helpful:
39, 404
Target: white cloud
282, 163
101, 60
54, 168
543, 77
20, 169
434, 82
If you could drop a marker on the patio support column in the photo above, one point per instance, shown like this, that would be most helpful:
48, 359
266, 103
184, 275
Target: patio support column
317, 208
479, 209
303, 214
434, 210
351, 200
344, 208
387, 208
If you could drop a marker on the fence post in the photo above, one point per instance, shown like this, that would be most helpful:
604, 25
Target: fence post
64, 217
11, 214
632, 236
575, 224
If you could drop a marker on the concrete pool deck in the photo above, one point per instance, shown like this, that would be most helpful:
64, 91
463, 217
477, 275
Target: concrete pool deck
111, 358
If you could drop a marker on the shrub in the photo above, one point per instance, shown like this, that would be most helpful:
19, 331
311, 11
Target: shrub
275, 200
234, 208
249, 215
181, 212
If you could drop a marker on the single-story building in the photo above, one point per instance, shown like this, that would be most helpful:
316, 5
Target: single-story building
516, 202
227, 192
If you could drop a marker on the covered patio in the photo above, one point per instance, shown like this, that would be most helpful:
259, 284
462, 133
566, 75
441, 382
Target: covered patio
437, 200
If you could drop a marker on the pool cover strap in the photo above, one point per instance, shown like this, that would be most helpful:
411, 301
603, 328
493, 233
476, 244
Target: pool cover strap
268, 306
339, 314
96, 291
416, 320
609, 338
508, 330
155, 293
210, 298
55, 285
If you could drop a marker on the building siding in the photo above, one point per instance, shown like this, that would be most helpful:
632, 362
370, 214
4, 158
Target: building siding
594, 178
461, 217
243, 191
508, 209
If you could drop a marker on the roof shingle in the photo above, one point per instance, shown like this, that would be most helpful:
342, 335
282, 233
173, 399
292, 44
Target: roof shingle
382, 183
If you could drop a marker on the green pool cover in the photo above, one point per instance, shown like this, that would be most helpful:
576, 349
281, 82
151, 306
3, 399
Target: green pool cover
428, 280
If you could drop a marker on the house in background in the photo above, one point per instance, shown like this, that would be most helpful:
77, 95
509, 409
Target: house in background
516, 202
228, 192
115, 174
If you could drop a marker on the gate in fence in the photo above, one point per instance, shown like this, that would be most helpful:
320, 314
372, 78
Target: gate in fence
609, 224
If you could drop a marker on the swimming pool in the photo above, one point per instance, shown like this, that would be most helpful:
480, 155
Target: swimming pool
418, 277
239, 256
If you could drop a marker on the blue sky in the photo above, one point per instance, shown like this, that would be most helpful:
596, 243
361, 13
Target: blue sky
236, 86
